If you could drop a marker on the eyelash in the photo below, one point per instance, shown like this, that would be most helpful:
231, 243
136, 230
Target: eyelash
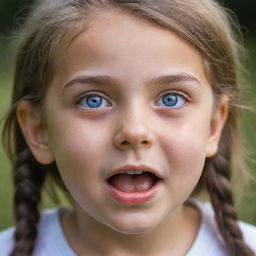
177, 93
94, 93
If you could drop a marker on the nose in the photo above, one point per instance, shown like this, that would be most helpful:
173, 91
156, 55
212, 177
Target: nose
133, 134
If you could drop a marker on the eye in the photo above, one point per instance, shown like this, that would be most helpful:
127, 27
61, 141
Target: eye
93, 101
172, 100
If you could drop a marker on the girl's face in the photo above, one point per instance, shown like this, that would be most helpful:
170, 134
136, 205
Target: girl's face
127, 93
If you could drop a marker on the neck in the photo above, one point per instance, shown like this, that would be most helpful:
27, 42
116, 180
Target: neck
86, 236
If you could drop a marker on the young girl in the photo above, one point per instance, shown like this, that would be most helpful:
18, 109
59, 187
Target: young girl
131, 107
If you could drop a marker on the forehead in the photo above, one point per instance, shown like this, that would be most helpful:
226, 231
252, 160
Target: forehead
115, 37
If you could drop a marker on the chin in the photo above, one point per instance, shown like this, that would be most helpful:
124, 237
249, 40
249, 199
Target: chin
134, 226
132, 230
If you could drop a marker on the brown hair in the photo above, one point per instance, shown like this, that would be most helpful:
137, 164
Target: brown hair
203, 23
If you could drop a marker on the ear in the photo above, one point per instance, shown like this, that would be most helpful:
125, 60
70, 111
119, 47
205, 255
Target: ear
30, 121
219, 118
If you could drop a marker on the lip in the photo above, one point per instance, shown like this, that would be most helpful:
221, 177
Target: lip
134, 198
130, 167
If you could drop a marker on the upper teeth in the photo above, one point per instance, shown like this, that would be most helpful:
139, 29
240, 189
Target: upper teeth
133, 172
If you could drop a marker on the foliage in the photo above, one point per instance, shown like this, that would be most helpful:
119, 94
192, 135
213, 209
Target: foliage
12, 11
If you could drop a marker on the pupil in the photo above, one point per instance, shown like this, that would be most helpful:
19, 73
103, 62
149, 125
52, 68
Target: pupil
170, 100
94, 101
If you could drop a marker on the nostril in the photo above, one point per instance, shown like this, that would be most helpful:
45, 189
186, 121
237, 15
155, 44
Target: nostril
124, 143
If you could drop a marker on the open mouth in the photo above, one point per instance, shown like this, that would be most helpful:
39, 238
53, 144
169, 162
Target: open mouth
133, 181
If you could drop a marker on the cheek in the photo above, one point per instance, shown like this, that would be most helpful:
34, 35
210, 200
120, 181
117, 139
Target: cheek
77, 147
186, 165
185, 149
76, 137
186, 156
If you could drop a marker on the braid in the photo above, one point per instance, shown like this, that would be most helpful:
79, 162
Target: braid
29, 177
218, 184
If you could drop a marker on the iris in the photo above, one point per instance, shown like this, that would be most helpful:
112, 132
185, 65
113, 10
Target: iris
170, 100
94, 101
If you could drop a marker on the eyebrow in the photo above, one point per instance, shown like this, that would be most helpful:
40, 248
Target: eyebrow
175, 78
102, 79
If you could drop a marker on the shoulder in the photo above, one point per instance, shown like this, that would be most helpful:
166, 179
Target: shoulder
248, 230
46, 232
6, 241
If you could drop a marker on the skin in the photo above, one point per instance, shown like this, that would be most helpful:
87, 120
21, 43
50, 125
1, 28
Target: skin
132, 128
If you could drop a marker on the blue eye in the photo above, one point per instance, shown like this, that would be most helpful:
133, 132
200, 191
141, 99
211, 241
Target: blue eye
172, 100
93, 101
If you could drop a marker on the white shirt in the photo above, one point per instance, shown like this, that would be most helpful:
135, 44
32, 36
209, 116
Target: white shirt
51, 240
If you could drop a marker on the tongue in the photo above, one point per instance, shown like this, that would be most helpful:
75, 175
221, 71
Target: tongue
132, 183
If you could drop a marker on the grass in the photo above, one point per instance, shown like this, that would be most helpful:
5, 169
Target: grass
246, 207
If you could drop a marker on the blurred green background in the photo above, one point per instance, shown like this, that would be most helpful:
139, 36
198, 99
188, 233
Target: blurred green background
12, 13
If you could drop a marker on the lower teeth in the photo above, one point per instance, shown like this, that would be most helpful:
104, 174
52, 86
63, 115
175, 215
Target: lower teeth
133, 183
